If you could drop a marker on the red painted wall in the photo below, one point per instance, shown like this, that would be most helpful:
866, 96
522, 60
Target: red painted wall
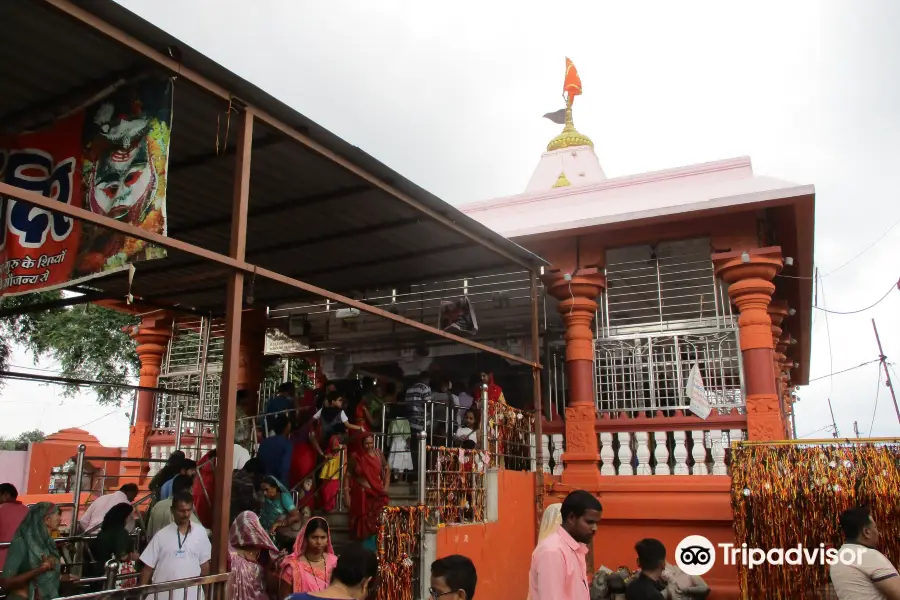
59, 448
668, 508
501, 551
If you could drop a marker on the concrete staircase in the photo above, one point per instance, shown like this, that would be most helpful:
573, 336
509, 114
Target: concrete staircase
402, 494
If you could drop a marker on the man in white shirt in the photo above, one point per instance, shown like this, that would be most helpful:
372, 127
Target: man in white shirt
180, 550
874, 577
241, 456
93, 516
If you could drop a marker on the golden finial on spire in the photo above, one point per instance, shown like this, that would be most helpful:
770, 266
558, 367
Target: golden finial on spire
569, 136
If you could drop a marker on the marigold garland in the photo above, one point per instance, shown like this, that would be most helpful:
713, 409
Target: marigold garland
788, 495
399, 537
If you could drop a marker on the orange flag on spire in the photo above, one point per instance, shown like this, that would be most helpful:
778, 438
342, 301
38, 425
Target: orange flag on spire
572, 84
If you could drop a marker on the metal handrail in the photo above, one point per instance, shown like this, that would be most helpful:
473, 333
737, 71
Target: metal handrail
142, 591
342, 450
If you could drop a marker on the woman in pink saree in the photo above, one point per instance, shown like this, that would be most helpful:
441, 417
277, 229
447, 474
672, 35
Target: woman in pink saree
309, 567
251, 555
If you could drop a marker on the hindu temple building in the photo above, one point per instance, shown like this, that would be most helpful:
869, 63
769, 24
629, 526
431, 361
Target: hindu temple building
637, 325
703, 268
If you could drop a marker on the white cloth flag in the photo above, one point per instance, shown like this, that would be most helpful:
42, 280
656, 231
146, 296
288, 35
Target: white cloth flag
697, 393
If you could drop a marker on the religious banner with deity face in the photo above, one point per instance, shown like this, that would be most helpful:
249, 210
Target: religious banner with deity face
110, 158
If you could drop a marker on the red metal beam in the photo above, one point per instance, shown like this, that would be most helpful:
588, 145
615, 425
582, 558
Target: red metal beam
71, 9
231, 362
241, 265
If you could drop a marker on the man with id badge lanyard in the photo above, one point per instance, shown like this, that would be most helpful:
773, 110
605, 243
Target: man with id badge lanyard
178, 551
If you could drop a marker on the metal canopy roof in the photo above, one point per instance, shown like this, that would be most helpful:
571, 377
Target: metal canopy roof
310, 218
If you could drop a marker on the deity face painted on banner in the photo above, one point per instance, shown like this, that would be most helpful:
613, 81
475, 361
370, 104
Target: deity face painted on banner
124, 173
122, 182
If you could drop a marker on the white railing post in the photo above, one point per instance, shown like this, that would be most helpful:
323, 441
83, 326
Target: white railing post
717, 449
643, 453
681, 454
661, 453
699, 453
625, 453
607, 454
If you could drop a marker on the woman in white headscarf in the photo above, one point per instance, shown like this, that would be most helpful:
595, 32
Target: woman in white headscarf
550, 522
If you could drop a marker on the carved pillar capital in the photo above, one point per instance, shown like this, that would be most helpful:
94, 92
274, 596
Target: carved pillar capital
577, 298
749, 274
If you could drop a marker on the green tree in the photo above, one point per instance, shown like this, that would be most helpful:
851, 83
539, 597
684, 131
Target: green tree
27, 437
21, 441
87, 341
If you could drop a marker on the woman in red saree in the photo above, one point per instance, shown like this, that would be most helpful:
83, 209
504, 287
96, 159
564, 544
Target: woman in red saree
495, 392
369, 478
494, 444
205, 480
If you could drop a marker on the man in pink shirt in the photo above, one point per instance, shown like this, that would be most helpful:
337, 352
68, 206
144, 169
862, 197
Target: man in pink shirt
12, 512
558, 568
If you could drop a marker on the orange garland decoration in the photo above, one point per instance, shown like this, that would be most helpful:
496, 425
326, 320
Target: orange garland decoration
399, 536
454, 485
788, 495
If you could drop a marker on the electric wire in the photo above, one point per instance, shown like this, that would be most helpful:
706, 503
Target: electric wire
853, 312
869, 247
816, 431
112, 412
845, 370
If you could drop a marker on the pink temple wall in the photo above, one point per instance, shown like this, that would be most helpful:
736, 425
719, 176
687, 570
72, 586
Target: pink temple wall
14, 468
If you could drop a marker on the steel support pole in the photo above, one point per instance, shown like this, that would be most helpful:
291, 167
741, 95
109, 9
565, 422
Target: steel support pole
179, 426
485, 444
204, 362
234, 304
538, 404
423, 448
76, 496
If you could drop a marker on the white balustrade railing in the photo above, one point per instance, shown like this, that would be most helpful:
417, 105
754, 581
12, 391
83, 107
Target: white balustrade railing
643, 453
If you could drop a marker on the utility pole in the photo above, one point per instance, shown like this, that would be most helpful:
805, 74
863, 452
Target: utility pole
887, 375
834, 429
856, 428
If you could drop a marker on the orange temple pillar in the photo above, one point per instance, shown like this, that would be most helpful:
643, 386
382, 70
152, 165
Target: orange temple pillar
578, 306
152, 336
749, 275
778, 312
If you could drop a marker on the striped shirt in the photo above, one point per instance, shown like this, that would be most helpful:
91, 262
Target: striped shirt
416, 397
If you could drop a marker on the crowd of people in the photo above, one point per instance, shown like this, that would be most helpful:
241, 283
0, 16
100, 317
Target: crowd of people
181, 550
278, 547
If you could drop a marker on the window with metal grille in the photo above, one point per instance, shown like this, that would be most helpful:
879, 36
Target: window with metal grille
662, 287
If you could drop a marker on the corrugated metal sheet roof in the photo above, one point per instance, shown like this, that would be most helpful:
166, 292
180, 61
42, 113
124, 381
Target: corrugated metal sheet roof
309, 217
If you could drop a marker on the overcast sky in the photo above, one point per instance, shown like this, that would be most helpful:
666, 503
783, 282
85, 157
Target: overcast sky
451, 96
